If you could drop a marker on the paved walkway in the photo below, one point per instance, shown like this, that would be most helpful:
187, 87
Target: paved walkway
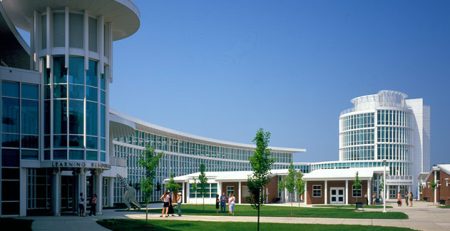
423, 216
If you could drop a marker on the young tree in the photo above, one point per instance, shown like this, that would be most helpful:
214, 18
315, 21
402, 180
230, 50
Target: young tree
172, 186
299, 185
261, 163
357, 185
289, 182
203, 183
149, 161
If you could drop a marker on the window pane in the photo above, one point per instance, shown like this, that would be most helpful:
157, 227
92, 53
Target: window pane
47, 117
76, 30
76, 91
76, 155
91, 118
76, 117
10, 140
91, 94
76, 70
93, 34
60, 116
58, 29
91, 74
59, 70
91, 142
103, 97
10, 118
30, 91
102, 156
30, 117
60, 91
102, 121
91, 155
60, 141
59, 154
30, 142
10, 89
103, 82
76, 141
30, 154
10, 157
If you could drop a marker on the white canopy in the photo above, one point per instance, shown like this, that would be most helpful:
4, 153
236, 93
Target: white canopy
343, 174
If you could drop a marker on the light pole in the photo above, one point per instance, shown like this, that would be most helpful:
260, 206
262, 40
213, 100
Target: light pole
384, 187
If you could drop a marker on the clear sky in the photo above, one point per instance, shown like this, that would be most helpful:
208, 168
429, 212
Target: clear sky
223, 69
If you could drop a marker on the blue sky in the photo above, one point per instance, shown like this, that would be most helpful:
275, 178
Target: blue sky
223, 69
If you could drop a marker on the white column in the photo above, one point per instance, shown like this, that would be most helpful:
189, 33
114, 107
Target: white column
99, 181
369, 192
56, 192
305, 195
239, 190
187, 192
182, 193
219, 188
346, 192
23, 192
66, 38
111, 191
286, 196
326, 192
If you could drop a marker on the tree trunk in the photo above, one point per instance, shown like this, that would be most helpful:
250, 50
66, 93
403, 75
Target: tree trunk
258, 218
146, 211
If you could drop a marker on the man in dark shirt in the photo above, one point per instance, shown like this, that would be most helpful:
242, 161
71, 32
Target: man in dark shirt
223, 202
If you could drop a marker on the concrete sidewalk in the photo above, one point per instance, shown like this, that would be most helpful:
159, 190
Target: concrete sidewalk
422, 216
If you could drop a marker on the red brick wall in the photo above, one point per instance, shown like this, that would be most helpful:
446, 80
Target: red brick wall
272, 187
351, 199
314, 200
428, 192
444, 191
236, 190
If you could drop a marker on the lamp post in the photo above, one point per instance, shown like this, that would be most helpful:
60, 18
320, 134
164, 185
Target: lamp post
384, 187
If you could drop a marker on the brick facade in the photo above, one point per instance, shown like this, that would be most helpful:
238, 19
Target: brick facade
442, 192
341, 184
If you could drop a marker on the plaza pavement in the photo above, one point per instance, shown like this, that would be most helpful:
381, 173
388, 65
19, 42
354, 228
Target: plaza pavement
423, 216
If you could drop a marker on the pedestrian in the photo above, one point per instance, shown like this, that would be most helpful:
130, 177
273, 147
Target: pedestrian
93, 205
179, 200
171, 210
223, 202
231, 203
406, 199
217, 203
165, 199
410, 199
399, 199
81, 205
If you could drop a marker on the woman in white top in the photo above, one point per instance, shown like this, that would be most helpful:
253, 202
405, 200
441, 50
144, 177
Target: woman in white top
165, 198
231, 203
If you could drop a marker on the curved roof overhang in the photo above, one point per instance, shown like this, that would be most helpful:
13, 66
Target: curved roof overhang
123, 14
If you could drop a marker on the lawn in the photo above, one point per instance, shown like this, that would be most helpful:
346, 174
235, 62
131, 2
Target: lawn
444, 206
285, 211
16, 224
170, 225
353, 206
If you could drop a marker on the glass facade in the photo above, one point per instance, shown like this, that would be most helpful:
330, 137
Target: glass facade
20, 137
78, 111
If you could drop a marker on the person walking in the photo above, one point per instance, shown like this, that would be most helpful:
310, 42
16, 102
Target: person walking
165, 199
399, 199
171, 210
81, 205
231, 202
223, 202
179, 199
93, 205
217, 203
407, 199
410, 199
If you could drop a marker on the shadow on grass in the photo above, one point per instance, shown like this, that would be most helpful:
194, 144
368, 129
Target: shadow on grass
135, 225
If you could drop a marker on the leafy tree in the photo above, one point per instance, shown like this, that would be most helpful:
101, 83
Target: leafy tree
357, 185
149, 161
261, 163
203, 183
172, 185
289, 182
299, 185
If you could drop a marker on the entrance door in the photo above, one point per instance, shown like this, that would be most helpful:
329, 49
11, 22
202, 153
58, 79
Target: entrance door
68, 194
337, 195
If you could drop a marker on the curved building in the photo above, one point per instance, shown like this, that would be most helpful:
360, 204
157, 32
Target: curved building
385, 126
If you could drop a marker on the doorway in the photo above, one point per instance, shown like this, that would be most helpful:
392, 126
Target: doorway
68, 194
337, 195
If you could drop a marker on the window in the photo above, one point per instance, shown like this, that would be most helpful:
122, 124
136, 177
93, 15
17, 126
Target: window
230, 189
356, 192
317, 191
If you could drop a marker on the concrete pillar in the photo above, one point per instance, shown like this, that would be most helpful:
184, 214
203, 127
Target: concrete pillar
326, 192
346, 192
286, 196
182, 193
99, 189
23, 192
239, 190
56, 192
305, 199
187, 193
82, 184
111, 191
369, 192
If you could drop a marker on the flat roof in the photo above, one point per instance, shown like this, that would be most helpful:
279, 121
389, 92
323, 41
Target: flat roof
123, 14
342, 174
225, 176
